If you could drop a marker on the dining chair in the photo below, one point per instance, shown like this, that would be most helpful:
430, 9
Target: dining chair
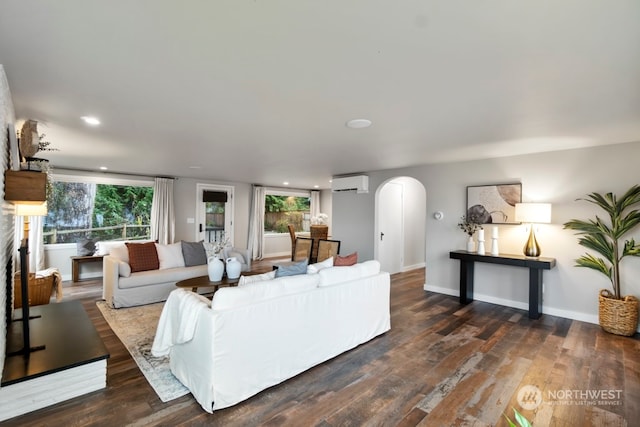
301, 249
327, 249
292, 235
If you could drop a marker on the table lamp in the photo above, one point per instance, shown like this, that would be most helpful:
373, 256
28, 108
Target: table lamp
533, 213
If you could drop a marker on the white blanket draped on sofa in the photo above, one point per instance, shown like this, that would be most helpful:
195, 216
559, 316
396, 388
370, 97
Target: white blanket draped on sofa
178, 320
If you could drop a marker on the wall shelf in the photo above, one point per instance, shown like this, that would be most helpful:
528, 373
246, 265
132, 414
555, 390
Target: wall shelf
25, 186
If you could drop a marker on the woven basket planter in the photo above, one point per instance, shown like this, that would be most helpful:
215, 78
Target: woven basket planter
40, 289
618, 316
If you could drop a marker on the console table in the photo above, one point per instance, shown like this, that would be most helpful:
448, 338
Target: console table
535, 266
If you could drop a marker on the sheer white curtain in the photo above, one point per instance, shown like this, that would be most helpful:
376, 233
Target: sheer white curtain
315, 204
36, 242
256, 223
162, 212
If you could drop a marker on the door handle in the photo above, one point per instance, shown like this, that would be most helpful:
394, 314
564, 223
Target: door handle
381, 236
201, 228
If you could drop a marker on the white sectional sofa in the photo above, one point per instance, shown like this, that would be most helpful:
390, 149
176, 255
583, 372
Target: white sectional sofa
251, 337
123, 288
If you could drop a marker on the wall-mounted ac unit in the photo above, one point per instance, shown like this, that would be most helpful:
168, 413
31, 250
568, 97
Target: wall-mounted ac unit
359, 183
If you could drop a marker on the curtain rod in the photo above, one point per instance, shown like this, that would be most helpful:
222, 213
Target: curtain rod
113, 173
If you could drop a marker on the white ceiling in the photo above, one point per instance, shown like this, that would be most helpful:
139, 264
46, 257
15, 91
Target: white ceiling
259, 91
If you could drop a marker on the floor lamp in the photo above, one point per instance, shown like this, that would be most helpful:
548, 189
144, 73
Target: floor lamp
26, 210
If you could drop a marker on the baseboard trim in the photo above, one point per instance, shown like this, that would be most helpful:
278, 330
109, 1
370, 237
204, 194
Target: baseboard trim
412, 267
567, 314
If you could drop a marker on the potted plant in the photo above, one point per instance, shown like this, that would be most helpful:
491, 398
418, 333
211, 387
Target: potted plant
617, 314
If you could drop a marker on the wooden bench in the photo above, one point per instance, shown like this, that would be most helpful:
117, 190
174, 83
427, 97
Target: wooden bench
77, 260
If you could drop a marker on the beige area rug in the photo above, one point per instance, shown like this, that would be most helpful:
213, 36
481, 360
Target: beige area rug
136, 328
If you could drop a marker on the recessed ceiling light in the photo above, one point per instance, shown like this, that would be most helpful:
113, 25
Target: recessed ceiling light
195, 167
358, 123
103, 168
285, 183
90, 120
316, 186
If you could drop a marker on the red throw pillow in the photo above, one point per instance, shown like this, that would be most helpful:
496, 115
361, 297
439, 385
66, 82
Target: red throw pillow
350, 259
143, 256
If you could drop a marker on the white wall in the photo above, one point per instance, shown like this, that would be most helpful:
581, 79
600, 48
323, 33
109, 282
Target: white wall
556, 177
6, 224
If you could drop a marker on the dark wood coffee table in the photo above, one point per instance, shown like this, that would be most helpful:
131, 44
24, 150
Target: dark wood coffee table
203, 282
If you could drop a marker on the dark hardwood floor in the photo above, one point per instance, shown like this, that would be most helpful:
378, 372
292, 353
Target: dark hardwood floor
441, 364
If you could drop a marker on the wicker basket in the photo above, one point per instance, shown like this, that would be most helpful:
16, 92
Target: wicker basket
618, 316
40, 289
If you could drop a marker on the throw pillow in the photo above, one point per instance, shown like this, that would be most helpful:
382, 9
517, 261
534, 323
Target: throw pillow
347, 260
238, 256
247, 280
170, 256
121, 252
124, 269
292, 269
314, 268
105, 247
85, 247
143, 256
193, 253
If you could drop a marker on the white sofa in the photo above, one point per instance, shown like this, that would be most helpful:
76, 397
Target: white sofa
122, 288
251, 337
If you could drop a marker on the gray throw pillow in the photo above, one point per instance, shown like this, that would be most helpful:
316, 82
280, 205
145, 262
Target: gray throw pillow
85, 247
193, 253
292, 269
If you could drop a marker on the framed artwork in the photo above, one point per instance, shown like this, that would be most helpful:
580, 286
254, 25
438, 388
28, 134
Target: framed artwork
493, 204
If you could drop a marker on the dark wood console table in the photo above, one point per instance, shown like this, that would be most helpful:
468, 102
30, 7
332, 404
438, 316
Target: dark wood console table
535, 266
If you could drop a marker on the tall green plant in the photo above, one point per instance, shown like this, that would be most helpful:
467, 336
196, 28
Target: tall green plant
605, 238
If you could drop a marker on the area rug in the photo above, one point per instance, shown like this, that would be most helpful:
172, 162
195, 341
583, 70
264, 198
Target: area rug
136, 328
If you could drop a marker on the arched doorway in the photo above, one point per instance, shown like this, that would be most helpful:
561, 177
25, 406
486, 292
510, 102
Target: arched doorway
400, 220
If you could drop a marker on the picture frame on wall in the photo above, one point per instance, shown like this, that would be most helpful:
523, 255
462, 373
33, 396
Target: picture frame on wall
493, 204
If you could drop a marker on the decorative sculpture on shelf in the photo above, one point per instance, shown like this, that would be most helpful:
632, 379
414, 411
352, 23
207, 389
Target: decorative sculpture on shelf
29, 139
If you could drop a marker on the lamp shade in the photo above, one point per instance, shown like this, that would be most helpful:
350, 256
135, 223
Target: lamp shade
533, 212
31, 209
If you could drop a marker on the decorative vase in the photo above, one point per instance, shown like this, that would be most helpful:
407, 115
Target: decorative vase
471, 245
233, 268
494, 246
215, 268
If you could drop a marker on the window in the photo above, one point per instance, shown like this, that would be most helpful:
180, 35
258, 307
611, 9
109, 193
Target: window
282, 209
80, 210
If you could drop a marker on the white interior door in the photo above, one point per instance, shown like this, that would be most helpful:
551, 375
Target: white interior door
214, 219
390, 227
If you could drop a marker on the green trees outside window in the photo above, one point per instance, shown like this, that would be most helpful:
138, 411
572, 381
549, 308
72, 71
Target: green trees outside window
280, 211
79, 211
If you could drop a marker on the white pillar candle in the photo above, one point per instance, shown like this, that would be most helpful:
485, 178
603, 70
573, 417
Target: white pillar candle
481, 235
495, 233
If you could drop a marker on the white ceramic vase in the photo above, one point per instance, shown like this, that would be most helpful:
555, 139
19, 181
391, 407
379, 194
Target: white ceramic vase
215, 268
233, 268
471, 245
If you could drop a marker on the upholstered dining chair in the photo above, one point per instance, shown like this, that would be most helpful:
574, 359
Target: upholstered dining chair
292, 234
327, 249
301, 249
